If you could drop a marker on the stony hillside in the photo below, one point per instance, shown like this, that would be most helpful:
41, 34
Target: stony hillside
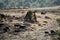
40, 24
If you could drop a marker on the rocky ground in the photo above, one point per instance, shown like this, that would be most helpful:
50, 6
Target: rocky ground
42, 30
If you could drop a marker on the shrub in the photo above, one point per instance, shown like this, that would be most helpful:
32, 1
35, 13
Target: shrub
30, 16
58, 20
58, 33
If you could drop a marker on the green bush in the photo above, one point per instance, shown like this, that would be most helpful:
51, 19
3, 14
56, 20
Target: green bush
30, 16
59, 38
29, 13
58, 33
58, 20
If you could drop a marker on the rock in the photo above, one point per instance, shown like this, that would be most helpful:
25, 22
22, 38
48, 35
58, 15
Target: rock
20, 26
17, 25
39, 24
17, 30
43, 12
53, 32
26, 24
47, 17
13, 16
46, 32
6, 29
2, 15
17, 18
45, 21
1, 25
23, 27
44, 24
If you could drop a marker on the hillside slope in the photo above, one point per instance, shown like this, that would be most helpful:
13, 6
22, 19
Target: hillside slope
14, 27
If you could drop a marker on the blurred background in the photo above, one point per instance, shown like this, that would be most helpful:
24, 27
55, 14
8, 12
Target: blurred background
28, 3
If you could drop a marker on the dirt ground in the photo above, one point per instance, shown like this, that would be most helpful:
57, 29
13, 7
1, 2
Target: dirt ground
45, 22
